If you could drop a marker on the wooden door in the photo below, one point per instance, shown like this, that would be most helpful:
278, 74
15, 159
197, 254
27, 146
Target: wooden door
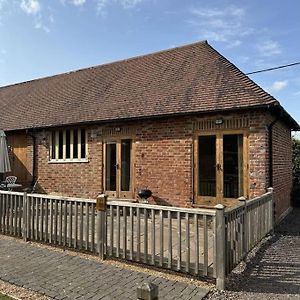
220, 167
118, 168
18, 157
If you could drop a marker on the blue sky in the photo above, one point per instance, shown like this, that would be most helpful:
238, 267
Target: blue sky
40, 38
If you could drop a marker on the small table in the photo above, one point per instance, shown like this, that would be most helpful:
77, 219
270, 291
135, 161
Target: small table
13, 186
9, 186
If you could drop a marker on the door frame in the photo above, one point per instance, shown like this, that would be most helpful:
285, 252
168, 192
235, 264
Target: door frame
198, 200
118, 194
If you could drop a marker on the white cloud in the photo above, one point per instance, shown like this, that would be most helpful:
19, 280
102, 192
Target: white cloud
130, 3
51, 19
297, 93
243, 58
31, 7
214, 12
126, 4
235, 43
101, 4
2, 2
78, 2
40, 25
279, 85
269, 48
221, 25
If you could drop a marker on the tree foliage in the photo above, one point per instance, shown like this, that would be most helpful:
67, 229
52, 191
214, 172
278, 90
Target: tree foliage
296, 162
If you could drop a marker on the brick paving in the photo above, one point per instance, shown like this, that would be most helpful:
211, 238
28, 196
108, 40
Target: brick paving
60, 275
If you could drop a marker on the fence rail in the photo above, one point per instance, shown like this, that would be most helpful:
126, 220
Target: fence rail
245, 226
201, 242
168, 237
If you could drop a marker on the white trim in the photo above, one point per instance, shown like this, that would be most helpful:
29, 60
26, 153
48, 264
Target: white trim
54, 138
62, 161
64, 145
71, 143
79, 143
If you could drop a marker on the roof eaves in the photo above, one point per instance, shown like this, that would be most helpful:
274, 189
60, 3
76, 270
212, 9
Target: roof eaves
180, 114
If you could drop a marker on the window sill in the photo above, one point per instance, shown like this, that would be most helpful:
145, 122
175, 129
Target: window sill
61, 161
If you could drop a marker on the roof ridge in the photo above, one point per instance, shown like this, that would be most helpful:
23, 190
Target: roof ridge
108, 64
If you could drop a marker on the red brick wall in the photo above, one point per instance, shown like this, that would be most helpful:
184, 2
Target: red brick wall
282, 168
164, 161
70, 179
258, 154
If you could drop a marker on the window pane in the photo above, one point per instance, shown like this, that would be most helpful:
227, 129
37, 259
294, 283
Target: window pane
68, 141
53, 145
111, 170
60, 144
75, 144
83, 154
207, 166
233, 165
125, 164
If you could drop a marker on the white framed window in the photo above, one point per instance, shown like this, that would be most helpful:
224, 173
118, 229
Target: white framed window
69, 145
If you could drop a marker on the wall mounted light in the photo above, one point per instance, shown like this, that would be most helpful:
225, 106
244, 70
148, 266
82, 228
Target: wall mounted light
219, 121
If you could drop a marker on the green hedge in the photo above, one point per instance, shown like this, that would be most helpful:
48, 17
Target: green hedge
296, 173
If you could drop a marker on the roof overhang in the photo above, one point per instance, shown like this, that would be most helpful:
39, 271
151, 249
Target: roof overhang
283, 115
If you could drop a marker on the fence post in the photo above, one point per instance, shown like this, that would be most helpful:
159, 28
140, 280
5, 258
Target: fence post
272, 215
24, 225
245, 229
220, 244
101, 217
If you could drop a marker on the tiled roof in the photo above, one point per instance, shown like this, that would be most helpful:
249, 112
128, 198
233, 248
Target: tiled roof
187, 79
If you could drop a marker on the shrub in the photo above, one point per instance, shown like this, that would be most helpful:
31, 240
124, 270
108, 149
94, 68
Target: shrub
296, 172
296, 162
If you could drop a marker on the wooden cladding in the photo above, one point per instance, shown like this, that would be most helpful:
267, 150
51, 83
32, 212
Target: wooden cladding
222, 123
118, 131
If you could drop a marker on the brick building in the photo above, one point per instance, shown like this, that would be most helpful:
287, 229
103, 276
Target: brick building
184, 123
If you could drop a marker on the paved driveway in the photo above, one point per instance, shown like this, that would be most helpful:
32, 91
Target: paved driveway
64, 275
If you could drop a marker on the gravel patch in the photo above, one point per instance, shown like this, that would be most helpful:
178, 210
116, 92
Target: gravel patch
272, 268
18, 293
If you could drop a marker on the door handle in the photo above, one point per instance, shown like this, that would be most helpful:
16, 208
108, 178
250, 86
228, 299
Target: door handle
117, 166
219, 167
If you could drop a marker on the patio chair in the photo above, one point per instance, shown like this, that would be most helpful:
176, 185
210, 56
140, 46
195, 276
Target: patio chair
11, 179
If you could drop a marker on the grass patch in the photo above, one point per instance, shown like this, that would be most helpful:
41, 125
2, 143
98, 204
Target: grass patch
4, 297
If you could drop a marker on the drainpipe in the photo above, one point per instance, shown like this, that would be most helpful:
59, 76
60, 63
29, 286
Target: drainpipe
33, 158
270, 131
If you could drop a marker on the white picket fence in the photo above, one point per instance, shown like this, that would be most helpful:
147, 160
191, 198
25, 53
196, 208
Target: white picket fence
201, 242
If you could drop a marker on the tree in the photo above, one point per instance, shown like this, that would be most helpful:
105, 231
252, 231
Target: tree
296, 172
296, 162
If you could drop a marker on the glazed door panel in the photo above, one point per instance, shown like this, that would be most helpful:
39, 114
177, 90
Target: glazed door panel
220, 167
118, 169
